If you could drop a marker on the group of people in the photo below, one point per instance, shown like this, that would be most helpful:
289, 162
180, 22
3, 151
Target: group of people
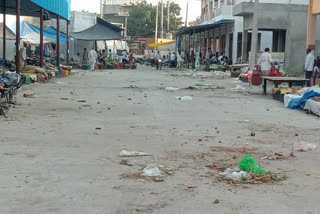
311, 67
174, 60
91, 57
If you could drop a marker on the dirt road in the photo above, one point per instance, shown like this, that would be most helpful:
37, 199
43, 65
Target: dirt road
60, 148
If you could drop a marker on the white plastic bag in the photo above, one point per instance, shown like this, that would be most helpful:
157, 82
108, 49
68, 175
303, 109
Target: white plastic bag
152, 170
185, 98
172, 89
303, 147
125, 153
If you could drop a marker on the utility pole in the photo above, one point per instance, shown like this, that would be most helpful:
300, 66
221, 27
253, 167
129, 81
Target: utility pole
101, 9
162, 19
186, 24
254, 38
156, 33
168, 26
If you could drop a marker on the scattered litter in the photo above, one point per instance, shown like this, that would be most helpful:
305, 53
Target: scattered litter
233, 150
303, 147
236, 174
172, 89
253, 134
235, 156
185, 98
125, 163
249, 164
125, 153
239, 87
129, 98
62, 83
98, 128
64, 98
296, 134
239, 176
27, 95
308, 174
200, 84
216, 201
192, 187
152, 171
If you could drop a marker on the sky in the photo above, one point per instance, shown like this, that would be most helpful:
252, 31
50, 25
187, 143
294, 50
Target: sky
93, 6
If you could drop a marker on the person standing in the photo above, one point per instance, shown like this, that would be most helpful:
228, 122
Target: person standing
85, 58
92, 59
173, 60
23, 54
152, 58
179, 61
208, 54
308, 67
193, 58
110, 54
265, 62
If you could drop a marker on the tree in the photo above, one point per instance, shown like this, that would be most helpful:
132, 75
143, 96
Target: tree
142, 19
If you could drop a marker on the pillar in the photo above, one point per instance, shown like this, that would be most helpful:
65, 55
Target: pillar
254, 39
58, 41
235, 47
244, 54
4, 35
68, 42
312, 29
227, 46
18, 36
41, 37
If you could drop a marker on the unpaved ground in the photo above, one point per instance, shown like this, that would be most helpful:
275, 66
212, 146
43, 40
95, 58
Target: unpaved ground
62, 156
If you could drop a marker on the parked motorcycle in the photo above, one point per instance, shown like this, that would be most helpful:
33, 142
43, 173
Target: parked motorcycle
10, 82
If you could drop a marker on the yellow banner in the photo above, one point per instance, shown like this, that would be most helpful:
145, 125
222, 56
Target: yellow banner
315, 6
161, 44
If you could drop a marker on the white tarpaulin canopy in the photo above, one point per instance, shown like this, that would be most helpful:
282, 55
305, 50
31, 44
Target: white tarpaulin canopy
34, 38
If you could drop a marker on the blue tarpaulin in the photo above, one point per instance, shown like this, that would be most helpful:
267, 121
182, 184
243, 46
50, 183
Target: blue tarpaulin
60, 7
300, 103
50, 33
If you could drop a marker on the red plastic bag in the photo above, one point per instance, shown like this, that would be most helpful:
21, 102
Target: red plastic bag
256, 77
275, 73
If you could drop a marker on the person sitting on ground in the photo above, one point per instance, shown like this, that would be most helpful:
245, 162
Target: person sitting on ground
265, 62
77, 59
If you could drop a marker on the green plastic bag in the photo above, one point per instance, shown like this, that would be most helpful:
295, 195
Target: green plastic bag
249, 164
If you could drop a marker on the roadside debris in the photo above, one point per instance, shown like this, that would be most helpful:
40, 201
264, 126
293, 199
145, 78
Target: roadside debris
64, 98
152, 170
185, 98
249, 164
125, 153
28, 95
172, 89
82, 101
125, 163
303, 147
239, 87
236, 174
253, 134
216, 201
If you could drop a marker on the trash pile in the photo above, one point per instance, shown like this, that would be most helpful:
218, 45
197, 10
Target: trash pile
249, 171
152, 172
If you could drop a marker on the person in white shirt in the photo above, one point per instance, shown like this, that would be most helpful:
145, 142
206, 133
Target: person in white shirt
152, 58
173, 60
265, 62
93, 56
308, 67
179, 61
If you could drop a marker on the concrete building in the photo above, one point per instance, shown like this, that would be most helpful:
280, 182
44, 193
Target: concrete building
117, 12
287, 21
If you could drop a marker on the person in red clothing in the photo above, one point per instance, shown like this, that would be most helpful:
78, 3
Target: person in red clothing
192, 58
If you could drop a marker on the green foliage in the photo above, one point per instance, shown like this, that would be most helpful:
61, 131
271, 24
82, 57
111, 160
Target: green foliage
142, 19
